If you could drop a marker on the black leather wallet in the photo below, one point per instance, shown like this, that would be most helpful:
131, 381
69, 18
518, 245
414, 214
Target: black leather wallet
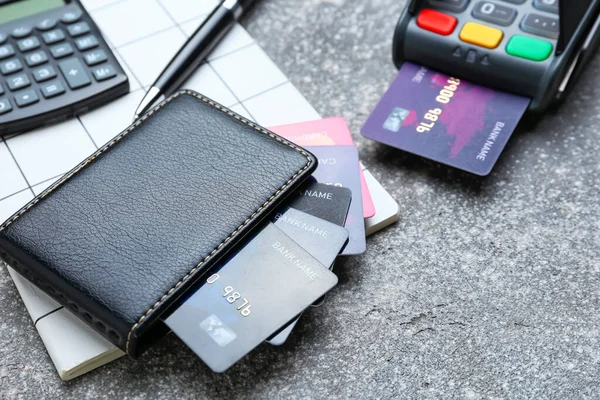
125, 233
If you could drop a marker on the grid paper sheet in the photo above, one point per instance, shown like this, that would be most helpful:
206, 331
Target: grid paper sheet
144, 35
238, 74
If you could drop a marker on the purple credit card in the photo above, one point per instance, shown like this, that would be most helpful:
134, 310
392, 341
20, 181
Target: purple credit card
338, 165
448, 120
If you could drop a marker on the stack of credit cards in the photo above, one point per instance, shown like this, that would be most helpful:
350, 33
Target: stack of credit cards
331, 141
259, 292
445, 119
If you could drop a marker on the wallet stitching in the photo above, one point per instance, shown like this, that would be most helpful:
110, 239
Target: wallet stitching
242, 225
119, 137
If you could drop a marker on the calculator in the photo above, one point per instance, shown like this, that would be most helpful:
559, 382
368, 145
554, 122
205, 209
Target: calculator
54, 64
534, 48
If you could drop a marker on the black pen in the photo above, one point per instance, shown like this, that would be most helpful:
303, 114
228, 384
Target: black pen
194, 52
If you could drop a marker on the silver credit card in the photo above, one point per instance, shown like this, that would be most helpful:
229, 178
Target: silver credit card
268, 282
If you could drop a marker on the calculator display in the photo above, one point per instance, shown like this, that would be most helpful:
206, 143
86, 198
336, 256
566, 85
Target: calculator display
25, 8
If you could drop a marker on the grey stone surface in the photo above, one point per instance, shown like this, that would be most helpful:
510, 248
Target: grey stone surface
486, 288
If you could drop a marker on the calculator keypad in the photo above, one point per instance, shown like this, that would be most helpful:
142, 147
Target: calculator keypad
21, 31
17, 82
44, 73
79, 28
4, 106
10, 66
61, 50
46, 24
52, 89
51, 62
105, 72
71, 16
6, 50
86, 42
95, 57
29, 43
75, 74
26, 98
54, 36
36, 58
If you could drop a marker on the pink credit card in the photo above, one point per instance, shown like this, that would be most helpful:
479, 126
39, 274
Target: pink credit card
326, 132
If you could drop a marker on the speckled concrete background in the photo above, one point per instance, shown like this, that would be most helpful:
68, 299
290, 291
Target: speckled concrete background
484, 289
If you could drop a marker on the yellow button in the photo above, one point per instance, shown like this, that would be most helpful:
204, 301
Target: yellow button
481, 35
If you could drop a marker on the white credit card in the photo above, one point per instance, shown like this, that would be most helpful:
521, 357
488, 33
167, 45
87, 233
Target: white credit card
386, 208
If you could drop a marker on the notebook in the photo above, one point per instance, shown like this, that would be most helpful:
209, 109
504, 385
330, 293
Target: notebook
32, 161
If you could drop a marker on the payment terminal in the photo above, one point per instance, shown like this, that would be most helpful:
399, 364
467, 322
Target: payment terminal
534, 48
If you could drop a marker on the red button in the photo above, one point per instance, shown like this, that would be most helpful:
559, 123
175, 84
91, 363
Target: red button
436, 21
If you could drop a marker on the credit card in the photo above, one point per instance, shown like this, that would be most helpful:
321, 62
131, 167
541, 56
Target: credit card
321, 239
338, 166
327, 202
268, 282
326, 132
445, 119
387, 208
321, 132
367, 197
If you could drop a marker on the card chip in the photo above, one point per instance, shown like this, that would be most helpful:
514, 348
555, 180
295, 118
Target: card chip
218, 331
395, 119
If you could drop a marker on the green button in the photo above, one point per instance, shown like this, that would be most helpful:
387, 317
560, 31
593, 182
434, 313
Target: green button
529, 48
